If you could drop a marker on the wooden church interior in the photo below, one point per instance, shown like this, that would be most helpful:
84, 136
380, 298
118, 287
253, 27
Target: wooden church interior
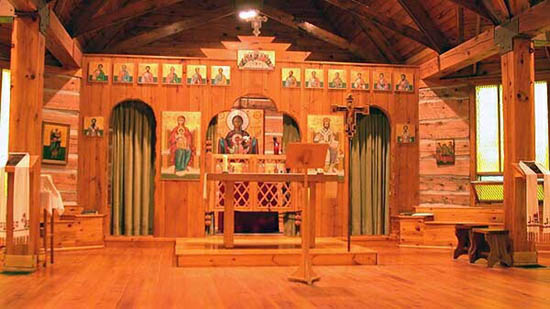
354, 153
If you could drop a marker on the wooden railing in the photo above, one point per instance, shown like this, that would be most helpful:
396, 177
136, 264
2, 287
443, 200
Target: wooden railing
252, 196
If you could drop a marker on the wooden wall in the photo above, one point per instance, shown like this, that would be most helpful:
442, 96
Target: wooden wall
444, 113
179, 208
62, 105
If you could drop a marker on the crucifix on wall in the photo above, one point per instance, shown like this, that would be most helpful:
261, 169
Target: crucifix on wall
350, 113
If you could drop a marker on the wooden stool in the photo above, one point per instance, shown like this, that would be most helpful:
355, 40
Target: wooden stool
463, 234
492, 244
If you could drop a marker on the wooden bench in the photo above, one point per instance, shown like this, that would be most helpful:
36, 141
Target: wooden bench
492, 244
463, 234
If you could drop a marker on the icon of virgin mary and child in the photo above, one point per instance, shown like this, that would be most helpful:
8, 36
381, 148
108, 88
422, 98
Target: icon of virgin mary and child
238, 140
182, 149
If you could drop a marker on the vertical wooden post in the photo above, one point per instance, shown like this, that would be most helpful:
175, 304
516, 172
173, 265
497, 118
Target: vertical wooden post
518, 77
27, 84
229, 214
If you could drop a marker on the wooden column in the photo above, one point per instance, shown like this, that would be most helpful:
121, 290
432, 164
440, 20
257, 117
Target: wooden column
518, 77
27, 83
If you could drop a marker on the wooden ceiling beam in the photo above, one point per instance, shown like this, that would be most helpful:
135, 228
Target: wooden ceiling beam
365, 12
477, 7
374, 33
498, 9
147, 37
314, 31
28, 5
62, 46
532, 22
425, 23
131, 11
84, 12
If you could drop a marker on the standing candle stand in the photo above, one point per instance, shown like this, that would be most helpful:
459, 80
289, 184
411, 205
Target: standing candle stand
302, 156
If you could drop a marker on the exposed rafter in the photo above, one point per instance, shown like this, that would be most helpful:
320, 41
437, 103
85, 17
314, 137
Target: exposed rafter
497, 9
365, 12
379, 40
28, 5
314, 31
477, 7
531, 22
84, 13
425, 23
177, 27
130, 11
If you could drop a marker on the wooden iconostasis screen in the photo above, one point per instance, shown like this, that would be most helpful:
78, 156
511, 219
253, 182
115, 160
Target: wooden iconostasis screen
370, 175
133, 139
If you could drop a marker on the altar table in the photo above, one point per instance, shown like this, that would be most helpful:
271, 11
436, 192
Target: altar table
230, 179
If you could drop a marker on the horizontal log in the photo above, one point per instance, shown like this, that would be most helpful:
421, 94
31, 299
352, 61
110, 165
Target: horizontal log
444, 109
445, 198
428, 147
67, 117
62, 179
61, 99
428, 166
440, 93
442, 129
61, 82
447, 183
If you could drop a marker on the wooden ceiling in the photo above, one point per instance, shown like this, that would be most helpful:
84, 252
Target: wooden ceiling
378, 31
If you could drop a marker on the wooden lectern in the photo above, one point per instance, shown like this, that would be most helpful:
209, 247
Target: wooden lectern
302, 156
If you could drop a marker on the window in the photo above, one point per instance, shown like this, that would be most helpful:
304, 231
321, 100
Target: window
490, 128
5, 113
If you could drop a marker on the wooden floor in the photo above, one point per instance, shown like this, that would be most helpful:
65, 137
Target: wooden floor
147, 278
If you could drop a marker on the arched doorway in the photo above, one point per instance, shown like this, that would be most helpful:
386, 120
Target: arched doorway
253, 136
370, 175
132, 154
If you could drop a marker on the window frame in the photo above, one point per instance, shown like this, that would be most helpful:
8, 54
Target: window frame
475, 175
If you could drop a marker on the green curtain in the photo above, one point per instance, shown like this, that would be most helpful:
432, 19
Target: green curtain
133, 147
291, 133
370, 175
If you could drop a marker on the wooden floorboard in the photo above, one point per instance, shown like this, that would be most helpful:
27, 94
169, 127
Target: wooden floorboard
147, 278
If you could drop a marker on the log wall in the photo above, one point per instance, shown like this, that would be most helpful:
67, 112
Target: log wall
62, 105
444, 113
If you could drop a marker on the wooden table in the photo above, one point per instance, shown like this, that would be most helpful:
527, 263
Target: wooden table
229, 207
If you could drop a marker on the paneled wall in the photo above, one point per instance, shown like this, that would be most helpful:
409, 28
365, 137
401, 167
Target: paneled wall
179, 207
62, 105
444, 113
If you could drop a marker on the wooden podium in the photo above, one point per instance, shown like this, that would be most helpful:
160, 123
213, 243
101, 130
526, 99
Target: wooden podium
303, 156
